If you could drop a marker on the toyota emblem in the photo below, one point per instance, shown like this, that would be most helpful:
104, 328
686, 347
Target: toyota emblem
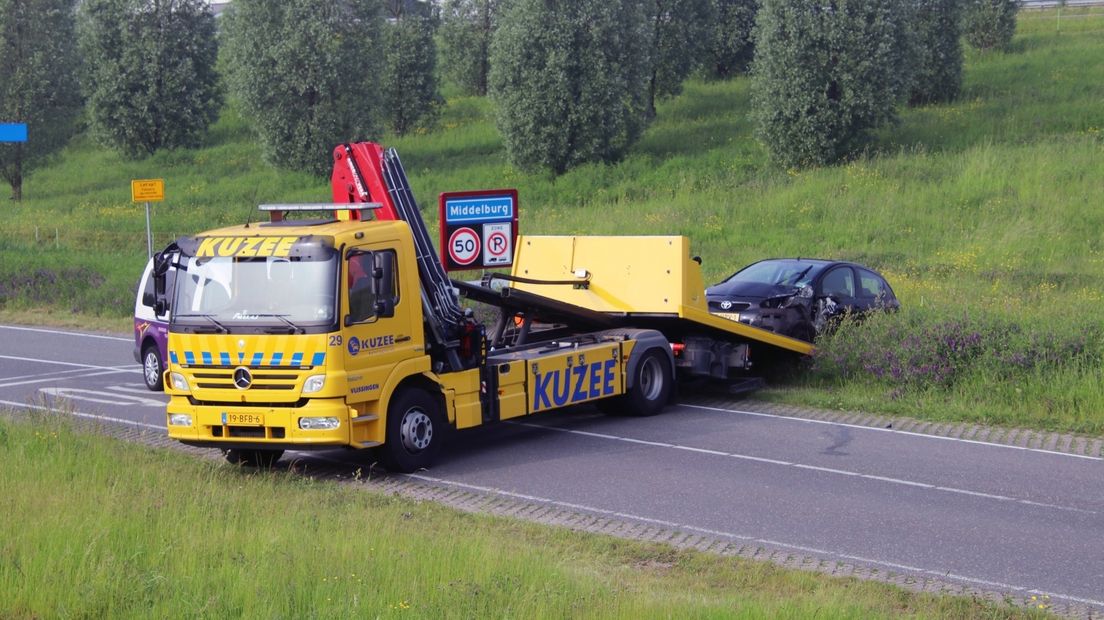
725, 305
242, 378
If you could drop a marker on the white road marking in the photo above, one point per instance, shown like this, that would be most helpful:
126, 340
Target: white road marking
84, 376
64, 333
79, 414
827, 470
1027, 590
135, 388
892, 430
75, 365
104, 398
54, 373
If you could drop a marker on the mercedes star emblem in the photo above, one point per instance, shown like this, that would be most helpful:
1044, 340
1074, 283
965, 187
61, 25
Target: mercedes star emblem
242, 378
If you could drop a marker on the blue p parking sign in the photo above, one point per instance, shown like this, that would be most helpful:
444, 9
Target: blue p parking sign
13, 132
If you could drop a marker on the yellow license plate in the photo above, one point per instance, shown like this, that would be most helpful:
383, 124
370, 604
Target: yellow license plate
731, 316
242, 419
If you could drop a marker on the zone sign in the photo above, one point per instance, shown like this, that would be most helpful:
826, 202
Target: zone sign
478, 229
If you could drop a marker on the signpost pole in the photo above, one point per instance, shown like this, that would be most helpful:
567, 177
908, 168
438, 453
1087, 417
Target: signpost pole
149, 234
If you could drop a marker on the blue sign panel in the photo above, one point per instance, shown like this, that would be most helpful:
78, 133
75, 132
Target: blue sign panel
13, 132
480, 209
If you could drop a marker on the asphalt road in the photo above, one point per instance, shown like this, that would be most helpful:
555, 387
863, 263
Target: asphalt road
993, 516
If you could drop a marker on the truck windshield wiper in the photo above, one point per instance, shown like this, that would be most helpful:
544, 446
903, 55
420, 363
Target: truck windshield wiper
218, 326
283, 317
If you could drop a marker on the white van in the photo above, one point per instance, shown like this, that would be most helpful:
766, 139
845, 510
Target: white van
151, 330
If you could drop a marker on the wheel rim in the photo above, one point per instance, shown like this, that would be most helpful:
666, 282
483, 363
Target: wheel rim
651, 378
152, 367
416, 430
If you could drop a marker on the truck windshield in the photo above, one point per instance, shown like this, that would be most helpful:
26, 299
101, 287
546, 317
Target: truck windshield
257, 294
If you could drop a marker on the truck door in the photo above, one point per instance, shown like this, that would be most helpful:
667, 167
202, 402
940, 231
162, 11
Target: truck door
377, 321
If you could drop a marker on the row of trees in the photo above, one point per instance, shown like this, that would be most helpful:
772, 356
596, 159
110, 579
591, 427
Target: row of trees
572, 81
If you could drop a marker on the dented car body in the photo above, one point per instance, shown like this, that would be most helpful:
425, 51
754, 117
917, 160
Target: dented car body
799, 297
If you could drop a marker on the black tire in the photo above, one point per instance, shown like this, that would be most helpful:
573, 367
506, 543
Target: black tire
415, 431
803, 331
153, 372
652, 383
262, 459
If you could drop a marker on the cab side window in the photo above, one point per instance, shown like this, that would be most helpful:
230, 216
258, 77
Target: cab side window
839, 283
373, 285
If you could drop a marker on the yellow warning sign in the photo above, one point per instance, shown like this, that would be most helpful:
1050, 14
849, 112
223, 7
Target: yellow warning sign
147, 190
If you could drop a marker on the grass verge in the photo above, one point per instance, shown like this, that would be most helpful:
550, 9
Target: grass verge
95, 527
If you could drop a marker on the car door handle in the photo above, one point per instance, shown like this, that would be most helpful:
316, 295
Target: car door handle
402, 338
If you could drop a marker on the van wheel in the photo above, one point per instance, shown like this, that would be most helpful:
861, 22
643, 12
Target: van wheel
262, 459
152, 372
652, 382
415, 431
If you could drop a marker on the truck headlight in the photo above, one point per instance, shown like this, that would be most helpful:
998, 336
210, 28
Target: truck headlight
319, 424
180, 419
179, 383
314, 383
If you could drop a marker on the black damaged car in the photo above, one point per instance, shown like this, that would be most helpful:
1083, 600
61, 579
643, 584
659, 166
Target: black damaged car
799, 297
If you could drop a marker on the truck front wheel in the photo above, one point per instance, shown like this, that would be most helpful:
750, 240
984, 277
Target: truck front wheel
415, 431
652, 382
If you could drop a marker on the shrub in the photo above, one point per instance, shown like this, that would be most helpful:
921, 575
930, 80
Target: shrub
938, 51
38, 82
151, 80
827, 73
569, 80
467, 27
409, 85
731, 46
990, 24
307, 75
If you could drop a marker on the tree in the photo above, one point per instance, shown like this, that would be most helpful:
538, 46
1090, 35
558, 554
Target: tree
939, 51
151, 80
680, 34
467, 27
569, 80
826, 73
38, 82
306, 74
990, 24
409, 85
731, 46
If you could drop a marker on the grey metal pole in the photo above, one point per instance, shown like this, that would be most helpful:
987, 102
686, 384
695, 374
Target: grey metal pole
149, 234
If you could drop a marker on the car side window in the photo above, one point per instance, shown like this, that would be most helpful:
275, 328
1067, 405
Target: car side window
839, 283
871, 285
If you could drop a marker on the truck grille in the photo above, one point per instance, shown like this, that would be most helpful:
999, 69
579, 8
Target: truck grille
223, 379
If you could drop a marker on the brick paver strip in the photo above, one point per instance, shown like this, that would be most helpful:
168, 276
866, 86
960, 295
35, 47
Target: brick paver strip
540, 512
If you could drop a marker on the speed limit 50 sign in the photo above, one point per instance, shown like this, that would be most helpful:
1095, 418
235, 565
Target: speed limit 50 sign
478, 229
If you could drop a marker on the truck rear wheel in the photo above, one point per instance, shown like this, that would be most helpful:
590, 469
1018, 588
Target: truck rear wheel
415, 431
263, 459
652, 382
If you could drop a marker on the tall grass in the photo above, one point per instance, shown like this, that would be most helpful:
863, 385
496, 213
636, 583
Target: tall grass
986, 208
95, 528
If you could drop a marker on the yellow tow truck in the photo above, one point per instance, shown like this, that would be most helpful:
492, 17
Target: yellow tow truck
346, 331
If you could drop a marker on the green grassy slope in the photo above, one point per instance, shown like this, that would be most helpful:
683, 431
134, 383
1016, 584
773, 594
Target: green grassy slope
984, 214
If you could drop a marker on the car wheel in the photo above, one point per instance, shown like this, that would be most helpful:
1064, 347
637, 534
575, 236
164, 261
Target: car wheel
152, 372
803, 331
